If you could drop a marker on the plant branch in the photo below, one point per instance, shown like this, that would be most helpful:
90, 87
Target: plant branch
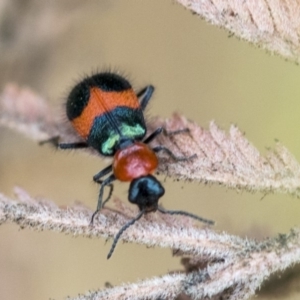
226, 159
272, 25
162, 231
226, 264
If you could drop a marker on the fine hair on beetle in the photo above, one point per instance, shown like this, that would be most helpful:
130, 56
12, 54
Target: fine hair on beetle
109, 116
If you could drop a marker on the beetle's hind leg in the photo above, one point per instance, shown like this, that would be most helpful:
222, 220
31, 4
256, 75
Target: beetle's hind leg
55, 142
145, 95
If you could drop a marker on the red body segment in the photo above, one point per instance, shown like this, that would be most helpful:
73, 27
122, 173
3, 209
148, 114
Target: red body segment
134, 161
99, 103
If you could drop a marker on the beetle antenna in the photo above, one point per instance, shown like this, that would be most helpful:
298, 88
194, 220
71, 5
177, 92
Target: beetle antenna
128, 224
184, 213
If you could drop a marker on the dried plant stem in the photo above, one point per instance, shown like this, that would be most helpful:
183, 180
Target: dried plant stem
232, 264
227, 159
165, 287
76, 221
272, 25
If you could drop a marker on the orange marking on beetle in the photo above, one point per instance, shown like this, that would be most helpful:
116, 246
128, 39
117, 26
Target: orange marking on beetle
134, 161
99, 103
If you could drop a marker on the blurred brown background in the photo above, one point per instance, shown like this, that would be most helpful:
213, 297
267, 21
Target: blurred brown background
197, 70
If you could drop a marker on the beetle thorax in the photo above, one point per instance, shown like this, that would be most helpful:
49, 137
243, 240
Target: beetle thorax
134, 161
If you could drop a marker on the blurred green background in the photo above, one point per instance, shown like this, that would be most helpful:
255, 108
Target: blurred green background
197, 69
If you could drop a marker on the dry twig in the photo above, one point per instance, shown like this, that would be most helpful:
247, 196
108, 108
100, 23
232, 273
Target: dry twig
272, 25
224, 264
227, 159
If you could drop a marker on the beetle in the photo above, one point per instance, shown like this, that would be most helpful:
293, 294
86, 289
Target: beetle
108, 115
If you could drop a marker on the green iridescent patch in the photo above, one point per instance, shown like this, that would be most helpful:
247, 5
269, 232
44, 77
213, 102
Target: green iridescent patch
132, 132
